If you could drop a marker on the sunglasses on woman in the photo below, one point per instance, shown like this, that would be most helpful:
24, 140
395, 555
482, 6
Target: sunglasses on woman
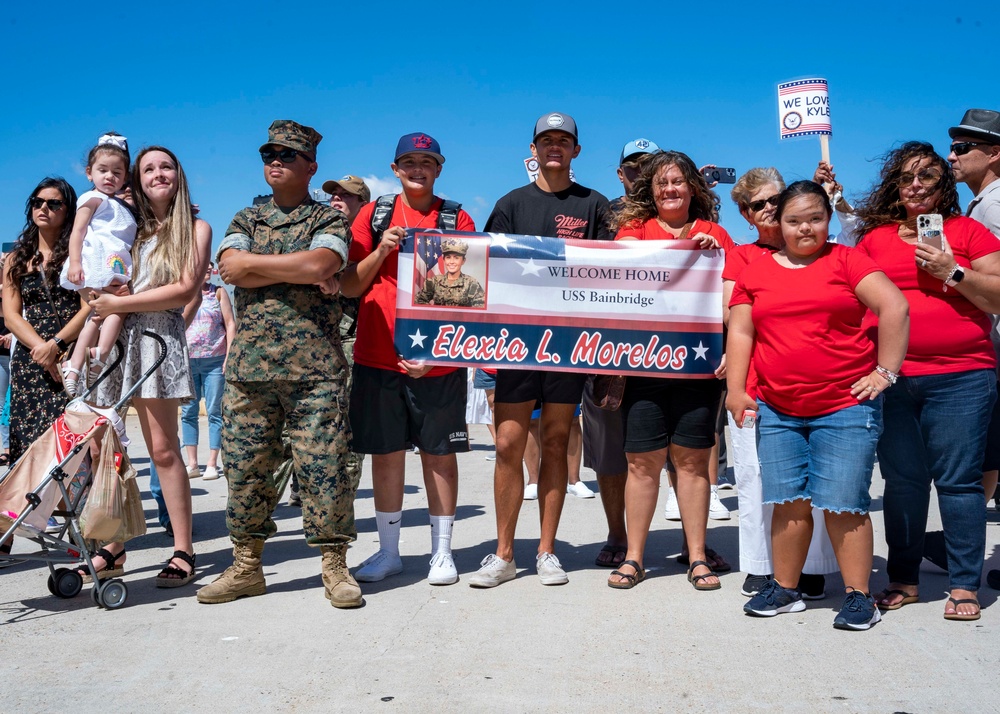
926, 177
759, 205
286, 156
55, 204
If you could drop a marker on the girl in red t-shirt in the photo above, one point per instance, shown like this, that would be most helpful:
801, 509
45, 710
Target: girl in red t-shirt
799, 312
936, 419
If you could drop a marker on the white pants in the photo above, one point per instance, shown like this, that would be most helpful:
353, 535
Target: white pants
755, 516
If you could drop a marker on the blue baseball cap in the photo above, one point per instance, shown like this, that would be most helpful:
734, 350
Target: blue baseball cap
637, 146
418, 143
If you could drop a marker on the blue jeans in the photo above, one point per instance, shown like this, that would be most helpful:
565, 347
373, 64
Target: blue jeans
826, 459
935, 432
209, 383
157, 493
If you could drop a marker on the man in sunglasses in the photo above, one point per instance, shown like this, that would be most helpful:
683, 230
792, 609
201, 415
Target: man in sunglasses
286, 366
975, 159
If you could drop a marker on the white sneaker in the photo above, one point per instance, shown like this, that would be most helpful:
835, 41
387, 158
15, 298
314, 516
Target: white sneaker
672, 512
493, 571
443, 570
716, 511
379, 567
550, 571
531, 492
211, 473
194, 471
492, 456
580, 490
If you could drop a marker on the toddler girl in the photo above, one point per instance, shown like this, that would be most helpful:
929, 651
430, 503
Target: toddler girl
99, 250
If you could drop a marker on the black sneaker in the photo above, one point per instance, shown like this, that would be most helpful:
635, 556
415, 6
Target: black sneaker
812, 587
753, 584
859, 612
772, 599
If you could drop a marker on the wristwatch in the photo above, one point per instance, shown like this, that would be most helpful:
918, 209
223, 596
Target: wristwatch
957, 273
60, 343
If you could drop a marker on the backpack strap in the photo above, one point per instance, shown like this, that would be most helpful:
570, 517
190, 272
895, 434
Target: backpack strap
382, 216
448, 215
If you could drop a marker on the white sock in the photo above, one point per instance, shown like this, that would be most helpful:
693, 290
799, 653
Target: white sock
441, 533
388, 525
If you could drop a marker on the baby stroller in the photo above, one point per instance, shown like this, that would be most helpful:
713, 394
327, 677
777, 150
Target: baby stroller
56, 469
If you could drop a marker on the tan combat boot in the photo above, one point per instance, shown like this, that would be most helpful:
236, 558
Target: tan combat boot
340, 587
244, 578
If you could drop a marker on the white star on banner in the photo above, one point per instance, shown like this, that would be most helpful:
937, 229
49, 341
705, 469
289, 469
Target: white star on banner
502, 241
701, 351
418, 339
530, 267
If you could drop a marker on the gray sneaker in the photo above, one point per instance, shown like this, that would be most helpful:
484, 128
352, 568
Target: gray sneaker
550, 570
493, 571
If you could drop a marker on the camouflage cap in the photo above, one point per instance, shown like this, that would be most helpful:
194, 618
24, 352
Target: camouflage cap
285, 132
454, 245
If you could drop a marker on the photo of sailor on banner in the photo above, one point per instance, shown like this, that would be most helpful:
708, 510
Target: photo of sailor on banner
630, 307
449, 271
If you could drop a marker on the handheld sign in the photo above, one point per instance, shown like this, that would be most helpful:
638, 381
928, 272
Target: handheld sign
804, 110
531, 166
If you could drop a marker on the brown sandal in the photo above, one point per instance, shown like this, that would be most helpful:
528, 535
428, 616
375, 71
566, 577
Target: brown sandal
631, 579
696, 580
958, 616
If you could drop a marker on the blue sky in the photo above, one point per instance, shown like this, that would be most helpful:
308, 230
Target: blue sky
206, 79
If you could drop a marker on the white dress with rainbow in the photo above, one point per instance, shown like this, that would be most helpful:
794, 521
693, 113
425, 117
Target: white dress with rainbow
107, 247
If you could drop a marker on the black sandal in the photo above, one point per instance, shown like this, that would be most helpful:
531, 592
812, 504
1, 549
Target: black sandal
171, 577
631, 579
111, 568
696, 580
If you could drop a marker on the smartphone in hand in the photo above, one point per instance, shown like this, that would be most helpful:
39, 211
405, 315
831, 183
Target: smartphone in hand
930, 229
720, 174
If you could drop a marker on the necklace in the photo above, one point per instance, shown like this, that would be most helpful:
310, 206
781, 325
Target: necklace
406, 219
679, 236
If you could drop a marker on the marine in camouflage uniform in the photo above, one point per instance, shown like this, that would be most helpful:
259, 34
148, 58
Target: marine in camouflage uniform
286, 368
453, 289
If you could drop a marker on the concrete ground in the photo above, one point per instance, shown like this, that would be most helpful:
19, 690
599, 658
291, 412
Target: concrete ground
519, 647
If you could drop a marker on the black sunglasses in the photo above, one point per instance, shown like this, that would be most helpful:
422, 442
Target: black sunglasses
964, 147
759, 205
55, 204
286, 156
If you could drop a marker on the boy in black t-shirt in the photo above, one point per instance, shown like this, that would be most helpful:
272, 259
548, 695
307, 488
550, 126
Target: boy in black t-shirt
555, 207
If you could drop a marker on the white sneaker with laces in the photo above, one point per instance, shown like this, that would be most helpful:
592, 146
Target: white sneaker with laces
443, 570
716, 511
211, 473
493, 571
531, 492
550, 570
379, 567
580, 490
672, 512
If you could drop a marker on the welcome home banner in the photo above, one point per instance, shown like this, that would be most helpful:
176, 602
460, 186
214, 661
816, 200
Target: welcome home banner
627, 307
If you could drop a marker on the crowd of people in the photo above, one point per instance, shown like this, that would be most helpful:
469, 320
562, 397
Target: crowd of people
878, 343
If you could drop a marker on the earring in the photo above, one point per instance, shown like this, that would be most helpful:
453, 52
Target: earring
752, 227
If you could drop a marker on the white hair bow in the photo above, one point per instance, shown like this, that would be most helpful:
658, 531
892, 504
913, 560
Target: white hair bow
115, 140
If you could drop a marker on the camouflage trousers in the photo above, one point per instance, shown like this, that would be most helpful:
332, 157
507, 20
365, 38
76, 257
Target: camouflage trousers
315, 415
286, 472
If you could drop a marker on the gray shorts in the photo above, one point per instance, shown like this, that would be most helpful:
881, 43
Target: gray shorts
603, 436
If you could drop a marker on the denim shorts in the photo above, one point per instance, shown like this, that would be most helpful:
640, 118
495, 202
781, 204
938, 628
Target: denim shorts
484, 380
826, 459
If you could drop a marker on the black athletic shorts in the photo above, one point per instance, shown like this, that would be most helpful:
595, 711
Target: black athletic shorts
391, 411
521, 385
663, 411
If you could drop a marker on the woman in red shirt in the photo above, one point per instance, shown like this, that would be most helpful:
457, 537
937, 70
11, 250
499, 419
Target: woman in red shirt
756, 195
799, 312
669, 200
936, 419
